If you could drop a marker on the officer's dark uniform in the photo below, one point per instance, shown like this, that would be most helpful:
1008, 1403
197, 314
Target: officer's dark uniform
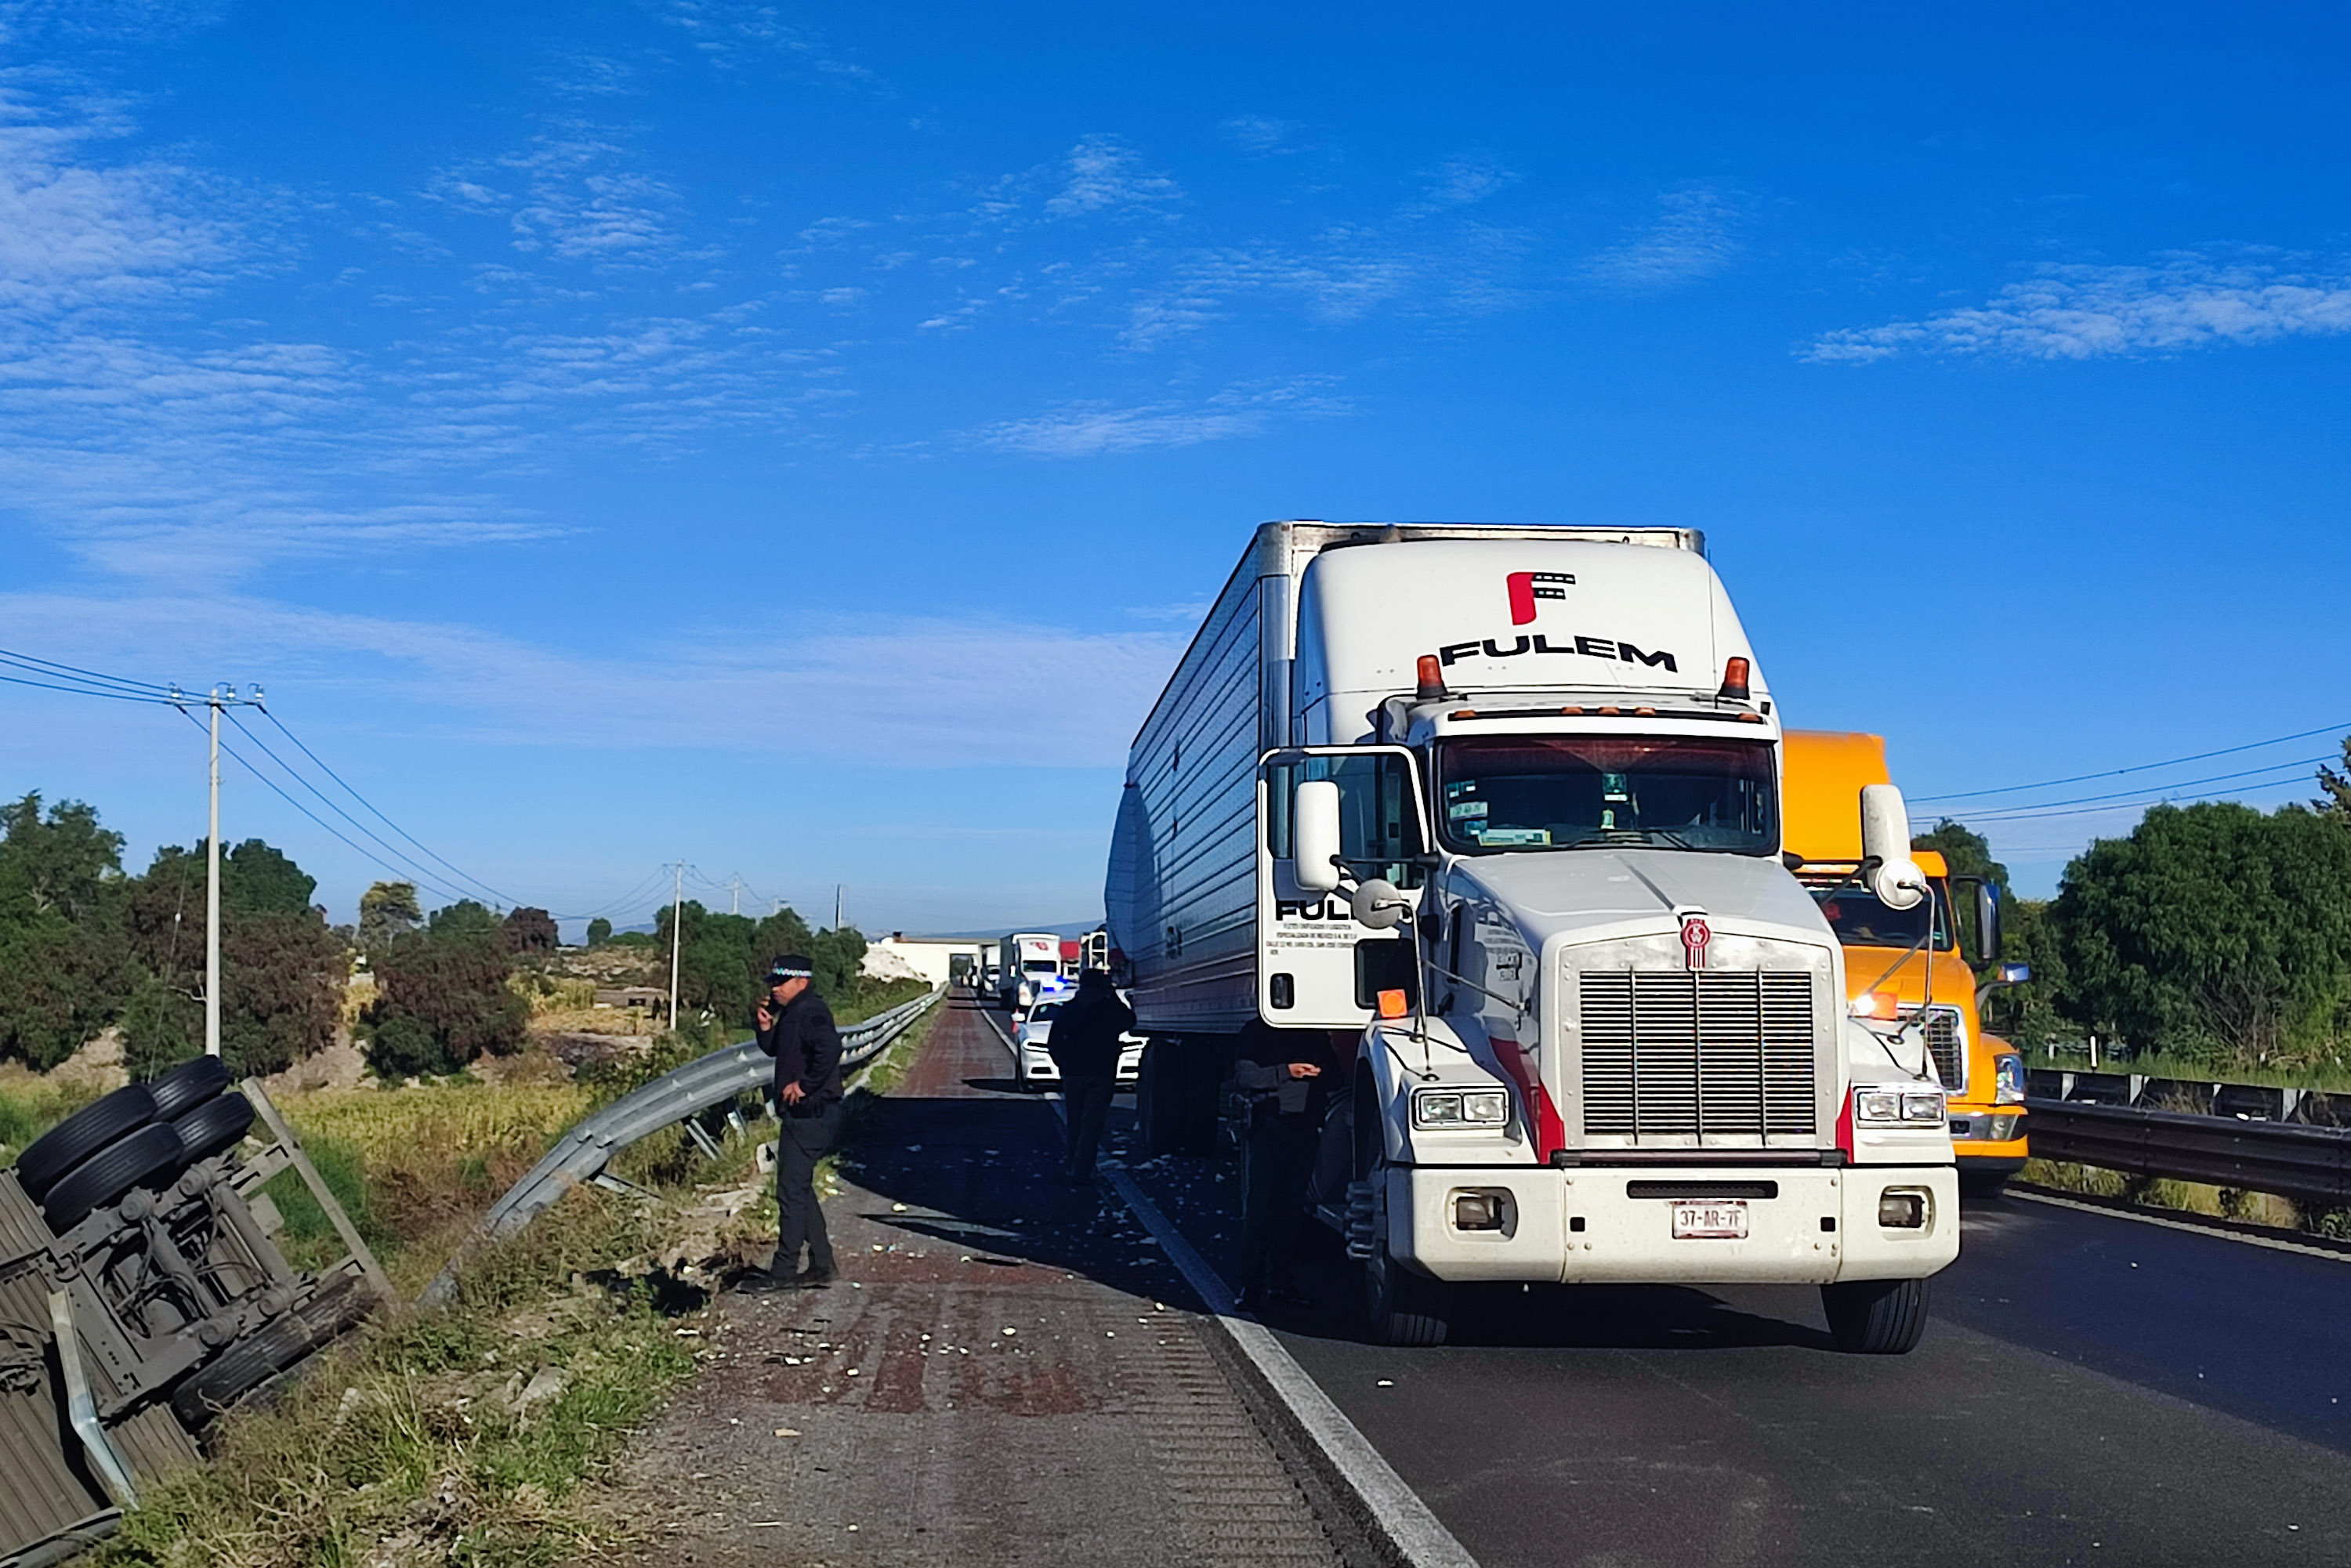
1285, 1131
1084, 1046
807, 1049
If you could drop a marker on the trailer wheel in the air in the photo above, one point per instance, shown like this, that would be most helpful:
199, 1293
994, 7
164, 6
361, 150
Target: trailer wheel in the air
1876, 1317
187, 1086
47, 1158
216, 1124
150, 1151
269, 1350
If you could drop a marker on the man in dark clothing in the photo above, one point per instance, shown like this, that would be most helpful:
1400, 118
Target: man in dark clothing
1084, 1046
1289, 1074
796, 1028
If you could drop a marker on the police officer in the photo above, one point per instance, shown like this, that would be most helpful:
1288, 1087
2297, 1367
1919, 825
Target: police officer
1085, 1046
1289, 1074
796, 1028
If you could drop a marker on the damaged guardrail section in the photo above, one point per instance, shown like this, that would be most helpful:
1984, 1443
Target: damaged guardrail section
142, 1295
676, 1097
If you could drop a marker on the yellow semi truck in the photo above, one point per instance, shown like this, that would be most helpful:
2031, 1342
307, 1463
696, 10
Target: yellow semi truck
1897, 965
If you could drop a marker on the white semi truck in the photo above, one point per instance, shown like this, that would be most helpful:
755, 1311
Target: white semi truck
1027, 960
1500, 807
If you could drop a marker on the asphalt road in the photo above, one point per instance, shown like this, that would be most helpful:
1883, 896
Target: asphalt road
2093, 1390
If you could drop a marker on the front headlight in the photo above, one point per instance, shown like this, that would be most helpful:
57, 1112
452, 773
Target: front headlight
2007, 1080
1897, 1107
1459, 1107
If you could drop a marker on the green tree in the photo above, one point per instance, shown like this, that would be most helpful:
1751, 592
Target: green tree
283, 969
2213, 932
600, 931
2336, 800
442, 998
65, 968
839, 958
531, 931
388, 910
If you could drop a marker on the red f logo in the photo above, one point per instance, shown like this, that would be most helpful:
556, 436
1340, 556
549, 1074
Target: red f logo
1526, 587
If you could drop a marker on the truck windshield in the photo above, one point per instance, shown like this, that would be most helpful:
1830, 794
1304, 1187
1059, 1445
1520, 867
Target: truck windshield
1859, 920
1573, 791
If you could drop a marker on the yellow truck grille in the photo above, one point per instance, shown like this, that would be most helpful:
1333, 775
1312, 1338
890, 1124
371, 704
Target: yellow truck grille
1947, 1047
1713, 1053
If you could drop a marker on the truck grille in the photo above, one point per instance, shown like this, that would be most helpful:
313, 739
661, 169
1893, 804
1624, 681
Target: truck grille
1719, 1053
1945, 1043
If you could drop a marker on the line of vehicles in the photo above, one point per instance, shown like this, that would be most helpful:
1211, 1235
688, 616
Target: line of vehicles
1638, 985
1031, 975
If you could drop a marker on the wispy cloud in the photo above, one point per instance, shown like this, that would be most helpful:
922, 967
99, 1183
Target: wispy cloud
573, 193
1090, 429
1103, 174
2083, 312
1462, 181
906, 691
728, 35
1258, 135
1693, 236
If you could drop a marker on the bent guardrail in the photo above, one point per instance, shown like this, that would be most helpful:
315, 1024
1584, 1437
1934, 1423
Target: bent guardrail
580, 1154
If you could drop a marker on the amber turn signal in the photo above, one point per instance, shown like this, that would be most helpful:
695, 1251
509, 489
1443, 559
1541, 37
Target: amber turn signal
1394, 1004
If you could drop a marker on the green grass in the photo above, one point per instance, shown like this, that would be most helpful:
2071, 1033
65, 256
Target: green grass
411, 1442
2333, 1079
30, 1107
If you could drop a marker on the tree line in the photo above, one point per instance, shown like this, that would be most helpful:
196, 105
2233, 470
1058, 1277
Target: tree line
86, 946
2212, 934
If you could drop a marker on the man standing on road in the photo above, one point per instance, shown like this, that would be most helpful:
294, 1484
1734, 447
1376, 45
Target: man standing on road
1289, 1073
796, 1028
1084, 1046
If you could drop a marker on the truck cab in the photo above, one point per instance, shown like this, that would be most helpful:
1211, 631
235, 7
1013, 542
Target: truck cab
1893, 971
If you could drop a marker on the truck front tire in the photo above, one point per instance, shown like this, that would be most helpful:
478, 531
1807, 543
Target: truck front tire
1404, 1308
1876, 1317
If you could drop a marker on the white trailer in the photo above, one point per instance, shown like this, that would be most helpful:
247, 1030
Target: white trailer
1026, 961
1501, 805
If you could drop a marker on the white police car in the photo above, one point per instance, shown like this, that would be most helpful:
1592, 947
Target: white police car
1033, 1065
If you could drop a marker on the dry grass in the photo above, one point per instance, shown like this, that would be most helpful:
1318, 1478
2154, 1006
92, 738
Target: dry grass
2162, 1192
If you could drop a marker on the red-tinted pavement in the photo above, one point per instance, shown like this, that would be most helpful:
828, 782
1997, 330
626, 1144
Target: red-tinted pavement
1004, 1375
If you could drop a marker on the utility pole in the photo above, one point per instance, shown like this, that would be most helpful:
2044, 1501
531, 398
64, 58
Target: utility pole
219, 697
836, 906
736, 888
676, 917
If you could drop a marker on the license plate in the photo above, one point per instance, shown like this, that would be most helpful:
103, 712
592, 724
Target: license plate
1701, 1221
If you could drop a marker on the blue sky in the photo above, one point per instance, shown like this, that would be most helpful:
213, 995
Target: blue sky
799, 439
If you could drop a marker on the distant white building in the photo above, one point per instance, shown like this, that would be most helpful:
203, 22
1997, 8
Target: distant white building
898, 956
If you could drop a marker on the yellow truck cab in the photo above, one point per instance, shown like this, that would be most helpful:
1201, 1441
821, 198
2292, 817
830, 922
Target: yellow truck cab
1892, 969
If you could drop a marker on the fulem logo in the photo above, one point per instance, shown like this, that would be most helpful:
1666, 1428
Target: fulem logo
1526, 587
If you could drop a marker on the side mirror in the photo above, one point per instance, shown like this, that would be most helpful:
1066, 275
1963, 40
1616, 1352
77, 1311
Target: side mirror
1314, 832
1986, 922
1379, 904
1886, 843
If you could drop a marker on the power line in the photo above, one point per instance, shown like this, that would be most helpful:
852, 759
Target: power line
38, 666
363, 853
414, 867
643, 887
2143, 766
86, 691
2013, 814
370, 805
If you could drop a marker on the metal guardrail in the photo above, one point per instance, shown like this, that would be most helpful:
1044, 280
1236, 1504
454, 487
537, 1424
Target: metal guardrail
580, 1154
2311, 1164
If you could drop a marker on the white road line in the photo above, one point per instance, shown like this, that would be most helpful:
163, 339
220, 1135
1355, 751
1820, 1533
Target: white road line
1393, 1509
2214, 1231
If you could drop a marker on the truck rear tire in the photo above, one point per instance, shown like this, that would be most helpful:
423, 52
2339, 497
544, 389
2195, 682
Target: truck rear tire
269, 1350
47, 1158
1876, 1317
150, 1151
216, 1124
187, 1086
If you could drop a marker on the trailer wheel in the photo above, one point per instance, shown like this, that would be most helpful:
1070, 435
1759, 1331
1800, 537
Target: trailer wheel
214, 1126
187, 1086
152, 1151
269, 1350
1876, 1317
47, 1158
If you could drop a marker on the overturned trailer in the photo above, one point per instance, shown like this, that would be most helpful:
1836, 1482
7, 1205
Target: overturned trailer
143, 1294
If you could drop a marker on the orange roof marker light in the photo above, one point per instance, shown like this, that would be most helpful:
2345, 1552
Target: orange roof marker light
1394, 1004
1734, 680
1432, 680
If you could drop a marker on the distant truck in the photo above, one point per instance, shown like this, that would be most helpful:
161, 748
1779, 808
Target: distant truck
1028, 960
1499, 809
1893, 971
